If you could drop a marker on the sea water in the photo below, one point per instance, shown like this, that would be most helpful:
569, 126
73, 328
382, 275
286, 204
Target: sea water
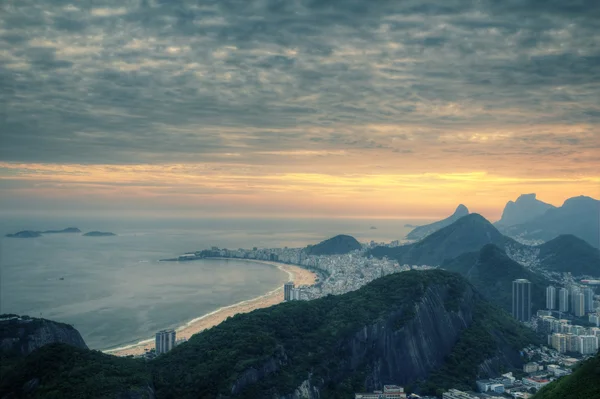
115, 291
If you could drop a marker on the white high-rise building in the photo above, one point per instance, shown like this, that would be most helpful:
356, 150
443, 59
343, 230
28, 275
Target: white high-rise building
287, 291
550, 298
578, 304
563, 300
588, 344
164, 341
588, 298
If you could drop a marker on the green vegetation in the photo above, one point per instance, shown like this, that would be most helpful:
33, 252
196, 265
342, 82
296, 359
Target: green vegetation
567, 253
467, 234
63, 371
340, 244
584, 383
272, 351
492, 272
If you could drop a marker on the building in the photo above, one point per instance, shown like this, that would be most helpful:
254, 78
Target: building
563, 300
287, 291
456, 394
550, 298
572, 343
588, 299
578, 304
531, 367
164, 341
594, 318
537, 383
521, 300
389, 392
588, 344
559, 342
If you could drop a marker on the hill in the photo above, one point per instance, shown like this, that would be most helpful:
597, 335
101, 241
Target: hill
25, 234
492, 272
338, 245
583, 383
67, 230
567, 253
99, 234
525, 208
421, 232
402, 328
578, 216
467, 234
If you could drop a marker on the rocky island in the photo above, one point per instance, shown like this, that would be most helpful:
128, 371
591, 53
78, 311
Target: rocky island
67, 230
99, 234
25, 234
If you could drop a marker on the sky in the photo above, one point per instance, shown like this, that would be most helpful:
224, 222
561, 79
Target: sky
304, 108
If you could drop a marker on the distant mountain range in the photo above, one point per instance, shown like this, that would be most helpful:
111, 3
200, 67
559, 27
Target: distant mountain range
421, 232
338, 245
524, 209
403, 328
492, 272
579, 216
467, 234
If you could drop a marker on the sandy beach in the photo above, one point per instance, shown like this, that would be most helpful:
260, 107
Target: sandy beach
296, 274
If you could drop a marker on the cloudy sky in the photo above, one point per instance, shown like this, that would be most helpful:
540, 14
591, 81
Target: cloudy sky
297, 107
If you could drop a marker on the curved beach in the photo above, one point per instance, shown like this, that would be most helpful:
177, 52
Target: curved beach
296, 274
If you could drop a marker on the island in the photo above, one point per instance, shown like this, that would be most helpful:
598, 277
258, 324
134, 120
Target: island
25, 234
67, 230
99, 234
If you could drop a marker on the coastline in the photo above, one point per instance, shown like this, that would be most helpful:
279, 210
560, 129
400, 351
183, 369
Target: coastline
297, 274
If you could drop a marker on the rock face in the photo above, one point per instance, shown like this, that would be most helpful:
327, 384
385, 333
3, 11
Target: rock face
253, 375
22, 335
524, 209
411, 352
421, 232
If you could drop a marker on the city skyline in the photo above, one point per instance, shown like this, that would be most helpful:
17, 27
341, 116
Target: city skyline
295, 109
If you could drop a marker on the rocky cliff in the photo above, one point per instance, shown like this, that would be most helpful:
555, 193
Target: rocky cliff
21, 335
525, 208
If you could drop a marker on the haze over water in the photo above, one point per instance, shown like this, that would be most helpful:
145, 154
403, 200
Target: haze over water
115, 292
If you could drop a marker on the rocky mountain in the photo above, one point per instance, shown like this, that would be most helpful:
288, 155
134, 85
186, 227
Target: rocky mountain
567, 253
583, 383
25, 234
467, 234
492, 272
340, 244
525, 208
579, 216
421, 232
21, 335
406, 327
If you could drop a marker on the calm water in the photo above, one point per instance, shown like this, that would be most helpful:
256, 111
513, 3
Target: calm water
115, 291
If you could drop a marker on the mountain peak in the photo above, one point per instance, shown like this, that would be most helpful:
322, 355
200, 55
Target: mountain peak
421, 232
525, 208
461, 210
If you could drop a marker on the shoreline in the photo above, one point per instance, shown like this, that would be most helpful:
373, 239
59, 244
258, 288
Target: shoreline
297, 274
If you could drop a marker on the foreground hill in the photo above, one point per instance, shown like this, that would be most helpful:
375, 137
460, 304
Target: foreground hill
402, 328
567, 253
467, 234
492, 272
578, 216
338, 245
582, 384
421, 232
525, 208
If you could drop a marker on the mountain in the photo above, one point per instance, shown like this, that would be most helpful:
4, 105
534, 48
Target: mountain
492, 272
403, 328
421, 232
67, 230
583, 383
525, 208
467, 234
567, 253
25, 234
579, 216
21, 335
99, 234
340, 244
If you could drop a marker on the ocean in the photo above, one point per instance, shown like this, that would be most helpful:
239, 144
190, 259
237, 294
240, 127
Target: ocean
116, 292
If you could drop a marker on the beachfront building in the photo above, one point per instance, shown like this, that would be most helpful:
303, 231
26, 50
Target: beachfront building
287, 291
164, 341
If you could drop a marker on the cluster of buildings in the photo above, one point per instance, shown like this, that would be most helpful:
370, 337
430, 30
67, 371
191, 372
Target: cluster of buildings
388, 392
566, 337
293, 293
